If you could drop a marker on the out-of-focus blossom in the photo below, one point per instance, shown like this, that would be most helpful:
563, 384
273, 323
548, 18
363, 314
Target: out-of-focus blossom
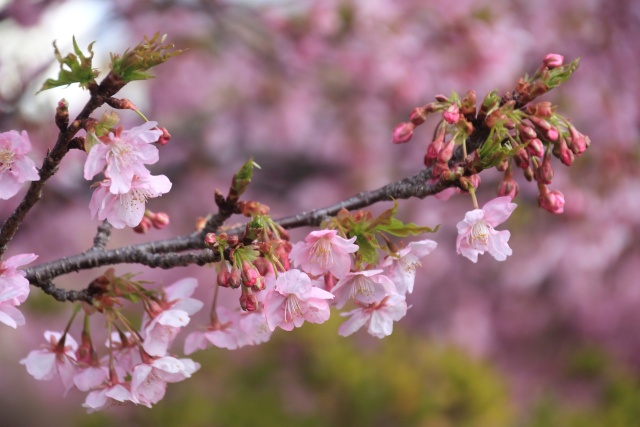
294, 300
378, 317
53, 359
171, 314
452, 114
124, 154
324, 251
366, 286
101, 397
552, 201
149, 380
401, 269
15, 166
14, 289
476, 233
127, 209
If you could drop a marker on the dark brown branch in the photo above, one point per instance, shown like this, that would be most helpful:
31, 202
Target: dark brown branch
102, 237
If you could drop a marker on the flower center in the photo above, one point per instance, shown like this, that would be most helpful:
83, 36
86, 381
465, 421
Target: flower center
122, 155
409, 263
363, 286
479, 234
6, 160
321, 253
292, 308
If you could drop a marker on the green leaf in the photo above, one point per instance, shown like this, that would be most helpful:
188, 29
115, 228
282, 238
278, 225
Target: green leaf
561, 74
74, 68
242, 179
400, 229
134, 64
367, 248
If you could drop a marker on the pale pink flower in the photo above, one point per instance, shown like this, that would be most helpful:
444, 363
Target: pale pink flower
401, 268
90, 377
378, 317
14, 289
53, 359
294, 300
125, 355
102, 396
366, 286
234, 329
15, 166
124, 154
476, 233
170, 315
324, 251
127, 209
149, 380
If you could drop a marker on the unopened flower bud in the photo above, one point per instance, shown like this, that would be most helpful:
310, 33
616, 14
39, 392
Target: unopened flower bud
551, 201
468, 104
522, 158
441, 98
249, 274
260, 284
526, 132
508, 187
561, 151
235, 278
553, 60
535, 148
223, 277
544, 173
160, 220
263, 266
418, 116
233, 240
143, 227
248, 300
210, 239
451, 114
578, 142
403, 133
439, 169
62, 114
165, 137
540, 109
445, 154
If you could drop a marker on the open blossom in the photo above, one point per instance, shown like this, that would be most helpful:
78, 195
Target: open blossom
53, 359
14, 289
127, 209
378, 317
366, 286
401, 269
476, 233
324, 251
15, 166
149, 380
293, 300
105, 394
172, 313
124, 154
234, 329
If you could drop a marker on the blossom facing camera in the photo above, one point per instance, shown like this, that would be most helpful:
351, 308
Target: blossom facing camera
15, 166
322, 252
476, 233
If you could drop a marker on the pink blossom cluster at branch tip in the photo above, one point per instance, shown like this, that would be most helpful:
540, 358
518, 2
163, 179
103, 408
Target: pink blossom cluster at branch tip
15, 167
477, 235
121, 197
14, 289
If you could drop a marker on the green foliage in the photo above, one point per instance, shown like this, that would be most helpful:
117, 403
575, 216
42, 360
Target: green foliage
134, 64
368, 229
242, 178
559, 75
73, 68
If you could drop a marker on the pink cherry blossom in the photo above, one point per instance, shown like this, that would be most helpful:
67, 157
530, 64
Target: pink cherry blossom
294, 300
15, 166
401, 269
366, 286
232, 330
378, 317
53, 359
149, 380
14, 289
172, 314
476, 233
127, 209
101, 397
324, 251
124, 154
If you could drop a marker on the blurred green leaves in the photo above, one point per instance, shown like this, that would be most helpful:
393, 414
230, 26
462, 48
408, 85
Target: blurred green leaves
74, 68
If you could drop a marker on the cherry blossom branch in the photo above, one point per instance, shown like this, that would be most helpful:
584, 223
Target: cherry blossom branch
99, 94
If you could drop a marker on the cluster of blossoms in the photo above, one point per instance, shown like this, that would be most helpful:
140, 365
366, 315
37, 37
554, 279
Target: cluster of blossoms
138, 366
122, 155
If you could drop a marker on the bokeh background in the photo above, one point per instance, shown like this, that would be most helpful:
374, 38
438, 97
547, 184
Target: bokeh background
312, 90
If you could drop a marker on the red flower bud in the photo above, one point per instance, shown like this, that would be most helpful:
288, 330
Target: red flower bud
553, 60
403, 133
160, 220
452, 114
535, 148
143, 227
